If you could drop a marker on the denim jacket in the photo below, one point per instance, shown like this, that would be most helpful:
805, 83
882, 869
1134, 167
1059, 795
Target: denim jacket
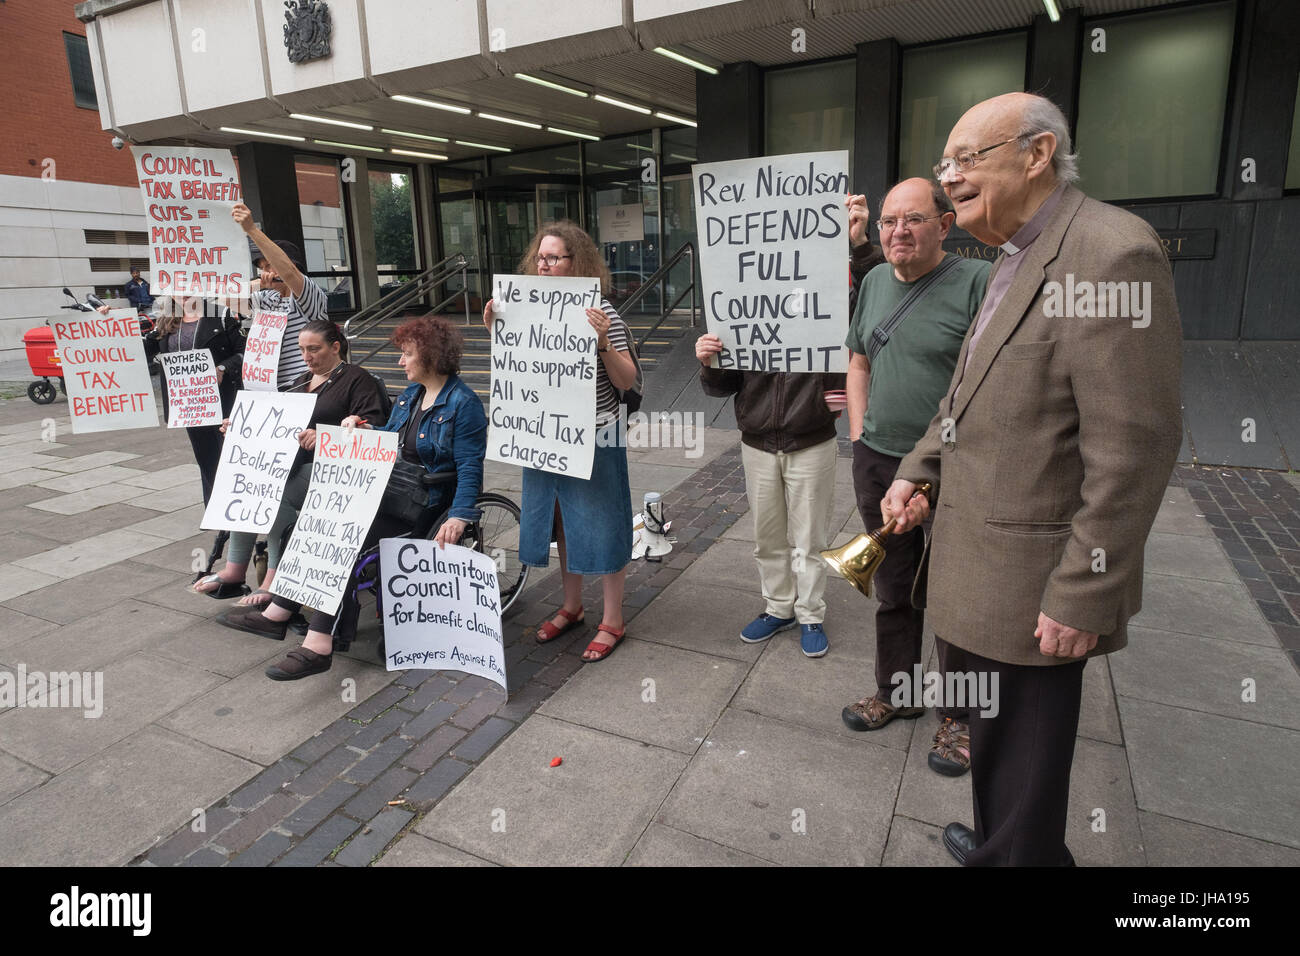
451, 436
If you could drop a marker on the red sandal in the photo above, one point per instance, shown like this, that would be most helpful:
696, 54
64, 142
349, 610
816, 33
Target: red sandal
549, 632
603, 650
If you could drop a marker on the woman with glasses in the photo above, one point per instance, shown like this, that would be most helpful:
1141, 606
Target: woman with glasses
589, 519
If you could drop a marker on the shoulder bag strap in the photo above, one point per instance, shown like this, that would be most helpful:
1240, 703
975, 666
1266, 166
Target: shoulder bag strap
881, 333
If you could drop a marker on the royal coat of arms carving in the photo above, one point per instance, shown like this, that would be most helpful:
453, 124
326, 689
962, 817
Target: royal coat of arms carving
306, 29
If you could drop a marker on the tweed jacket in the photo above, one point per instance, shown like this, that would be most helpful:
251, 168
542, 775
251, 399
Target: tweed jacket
1049, 465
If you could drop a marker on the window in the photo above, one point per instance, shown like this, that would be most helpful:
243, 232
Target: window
83, 80
810, 108
1153, 90
562, 160
1293, 160
942, 82
392, 212
324, 227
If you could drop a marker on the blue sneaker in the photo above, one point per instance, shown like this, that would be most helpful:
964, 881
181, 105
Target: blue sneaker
813, 640
764, 626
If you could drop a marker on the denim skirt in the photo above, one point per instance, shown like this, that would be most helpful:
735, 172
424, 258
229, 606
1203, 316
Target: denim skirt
597, 514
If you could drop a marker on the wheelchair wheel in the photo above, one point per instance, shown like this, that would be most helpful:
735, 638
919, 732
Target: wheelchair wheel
496, 534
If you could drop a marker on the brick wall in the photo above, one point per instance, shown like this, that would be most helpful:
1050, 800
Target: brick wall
40, 118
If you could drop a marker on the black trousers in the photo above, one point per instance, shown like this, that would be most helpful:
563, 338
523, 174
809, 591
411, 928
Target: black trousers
1020, 761
898, 625
206, 442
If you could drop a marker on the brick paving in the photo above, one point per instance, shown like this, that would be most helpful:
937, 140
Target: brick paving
343, 795
1256, 517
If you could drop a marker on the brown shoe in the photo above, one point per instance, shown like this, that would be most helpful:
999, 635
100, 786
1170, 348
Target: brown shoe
252, 620
299, 663
872, 713
950, 753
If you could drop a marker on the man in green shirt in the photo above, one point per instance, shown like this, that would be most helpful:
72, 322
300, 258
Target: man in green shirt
894, 389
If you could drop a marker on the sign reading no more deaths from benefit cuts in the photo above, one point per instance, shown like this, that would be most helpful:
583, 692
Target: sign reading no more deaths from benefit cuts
543, 409
105, 372
442, 609
195, 246
259, 449
193, 392
774, 234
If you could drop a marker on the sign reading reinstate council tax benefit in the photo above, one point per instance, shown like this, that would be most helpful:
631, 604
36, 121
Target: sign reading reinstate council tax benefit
442, 609
193, 392
261, 444
195, 247
774, 234
348, 477
105, 372
544, 359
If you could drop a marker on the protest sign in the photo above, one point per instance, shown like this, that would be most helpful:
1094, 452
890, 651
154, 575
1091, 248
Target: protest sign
544, 373
442, 609
193, 398
105, 372
195, 247
262, 350
348, 477
261, 444
774, 234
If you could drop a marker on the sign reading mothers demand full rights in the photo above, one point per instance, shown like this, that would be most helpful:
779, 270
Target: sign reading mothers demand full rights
774, 240
544, 358
193, 391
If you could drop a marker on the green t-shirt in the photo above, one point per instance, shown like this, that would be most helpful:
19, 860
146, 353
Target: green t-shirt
912, 372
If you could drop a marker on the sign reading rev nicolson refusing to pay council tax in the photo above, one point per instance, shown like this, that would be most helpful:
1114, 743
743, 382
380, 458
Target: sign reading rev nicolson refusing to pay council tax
774, 241
543, 409
259, 449
105, 372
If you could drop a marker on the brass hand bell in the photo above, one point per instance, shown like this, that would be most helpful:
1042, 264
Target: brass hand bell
858, 560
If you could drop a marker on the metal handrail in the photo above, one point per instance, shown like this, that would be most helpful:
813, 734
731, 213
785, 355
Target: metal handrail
435, 308
416, 288
660, 276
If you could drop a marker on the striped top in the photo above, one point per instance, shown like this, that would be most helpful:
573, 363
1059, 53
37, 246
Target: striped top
606, 394
312, 306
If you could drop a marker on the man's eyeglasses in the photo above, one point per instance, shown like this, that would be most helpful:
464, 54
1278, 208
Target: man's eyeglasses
964, 160
913, 220
551, 261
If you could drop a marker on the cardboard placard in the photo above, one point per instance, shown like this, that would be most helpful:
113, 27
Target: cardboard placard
773, 256
193, 393
442, 609
105, 372
262, 350
261, 444
543, 412
195, 246
348, 477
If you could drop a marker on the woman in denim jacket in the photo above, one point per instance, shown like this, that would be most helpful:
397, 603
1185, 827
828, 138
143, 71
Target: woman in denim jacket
440, 424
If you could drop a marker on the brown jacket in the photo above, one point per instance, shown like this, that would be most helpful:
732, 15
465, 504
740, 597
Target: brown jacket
1050, 466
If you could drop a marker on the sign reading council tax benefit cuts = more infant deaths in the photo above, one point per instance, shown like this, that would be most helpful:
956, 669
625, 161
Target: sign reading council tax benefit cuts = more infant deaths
774, 260
105, 373
543, 411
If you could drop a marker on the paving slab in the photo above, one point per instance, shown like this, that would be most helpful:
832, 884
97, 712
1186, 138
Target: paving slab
25, 476
1213, 770
71, 529
1179, 514
1171, 842
546, 811
25, 461
925, 796
16, 627
665, 846
1208, 608
712, 631
688, 447
91, 478
262, 719
135, 692
913, 843
1206, 674
90, 594
1188, 556
110, 808
660, 695
1100, 780
16, 580
787, 794
17, 777
117, 632
173, 526
164, 478
82, 501
15, 545
171, 499
727, 564
415, 850
91, 554
81, 463
219, 649
1098, 716
180, 555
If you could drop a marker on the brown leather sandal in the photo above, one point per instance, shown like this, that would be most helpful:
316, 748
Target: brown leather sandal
872, 713
950, 753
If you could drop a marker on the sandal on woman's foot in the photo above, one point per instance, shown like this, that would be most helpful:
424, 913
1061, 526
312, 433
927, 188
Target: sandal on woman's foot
300, 663
258, 599
223, 589
603, 651
549, 632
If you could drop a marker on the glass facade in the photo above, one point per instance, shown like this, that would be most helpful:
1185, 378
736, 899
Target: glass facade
325, 228
1166, 141
940, 83
1293, 159
810, 108
392, 211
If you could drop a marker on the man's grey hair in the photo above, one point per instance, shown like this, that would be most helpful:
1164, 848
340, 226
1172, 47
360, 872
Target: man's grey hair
1043, 116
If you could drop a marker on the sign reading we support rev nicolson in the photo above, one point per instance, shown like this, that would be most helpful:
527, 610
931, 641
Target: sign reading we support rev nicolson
105, 372
774, 245
195, 247
543, 410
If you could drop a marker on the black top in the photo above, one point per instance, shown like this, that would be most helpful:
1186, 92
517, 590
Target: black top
407, 440
350, 390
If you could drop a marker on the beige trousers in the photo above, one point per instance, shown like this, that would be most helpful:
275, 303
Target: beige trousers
792, 496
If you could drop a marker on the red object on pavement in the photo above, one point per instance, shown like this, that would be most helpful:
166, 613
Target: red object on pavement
42, 355
556, 762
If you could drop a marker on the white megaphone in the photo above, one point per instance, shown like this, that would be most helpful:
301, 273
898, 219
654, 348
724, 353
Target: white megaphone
649, 530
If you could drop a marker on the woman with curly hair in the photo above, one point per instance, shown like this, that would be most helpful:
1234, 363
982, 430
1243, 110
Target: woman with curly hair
440, 424
589, 519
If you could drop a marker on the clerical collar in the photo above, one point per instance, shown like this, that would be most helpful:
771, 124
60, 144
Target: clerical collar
1027, 233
